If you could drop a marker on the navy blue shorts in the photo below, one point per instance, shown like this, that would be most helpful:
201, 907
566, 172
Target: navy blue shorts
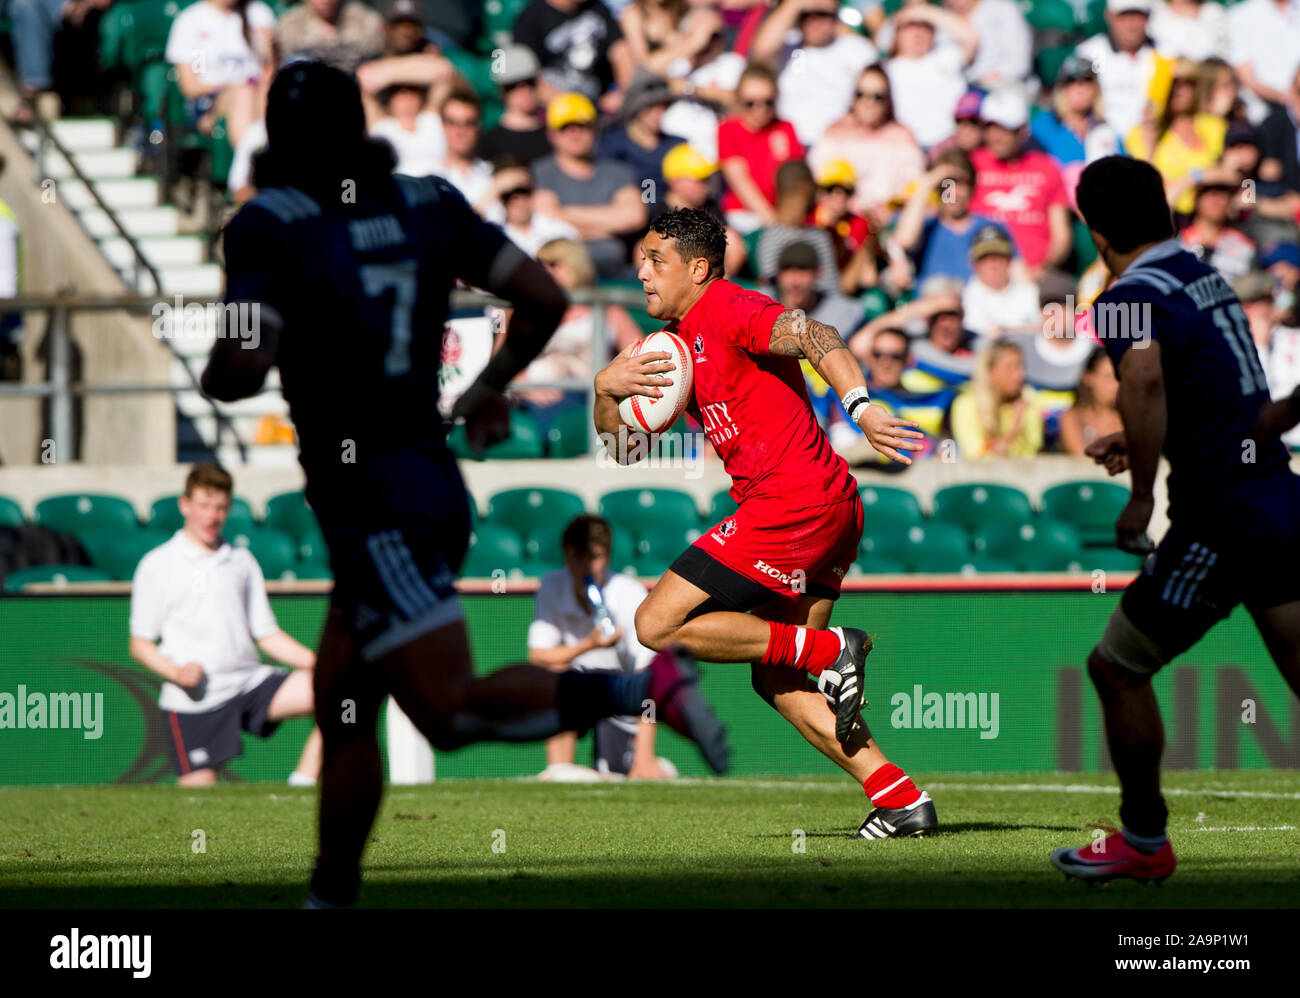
197, 107
206, 740
1245, 552
395, 547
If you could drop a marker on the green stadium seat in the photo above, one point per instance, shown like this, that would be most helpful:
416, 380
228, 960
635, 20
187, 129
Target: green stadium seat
623, 556
117, 552
536, 569
878, 564
81, 512
1049, 15
1109, 560
1085, 250
1093, 18
638, 510
525, 440
976, 504
525, 510
274, 550
542, 542
1042, 545
665, 541
888, 506
1048, 60
1092, 506
499, 18
58, 574
721, 506
165, 515
928, 547
308, 571
570, 433
11, 514
311, 547
492, 548
289, 513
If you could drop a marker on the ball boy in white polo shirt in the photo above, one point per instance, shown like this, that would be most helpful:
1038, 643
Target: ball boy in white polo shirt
206, 601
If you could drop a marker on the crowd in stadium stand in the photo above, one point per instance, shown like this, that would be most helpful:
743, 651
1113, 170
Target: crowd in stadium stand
903, 172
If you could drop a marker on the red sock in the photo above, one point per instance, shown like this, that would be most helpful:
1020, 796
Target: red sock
800, 647
890, 787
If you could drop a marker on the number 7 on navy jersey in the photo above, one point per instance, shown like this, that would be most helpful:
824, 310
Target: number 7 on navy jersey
400, 276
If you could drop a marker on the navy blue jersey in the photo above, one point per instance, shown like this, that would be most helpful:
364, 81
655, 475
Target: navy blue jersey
361, 291
1214, 384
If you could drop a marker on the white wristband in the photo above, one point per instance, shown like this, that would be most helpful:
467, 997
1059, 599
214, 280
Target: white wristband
853, 400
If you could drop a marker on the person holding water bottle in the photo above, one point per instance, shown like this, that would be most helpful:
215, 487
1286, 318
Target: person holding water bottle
585, 619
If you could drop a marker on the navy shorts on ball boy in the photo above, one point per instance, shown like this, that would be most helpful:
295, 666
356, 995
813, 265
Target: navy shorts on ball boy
206, 740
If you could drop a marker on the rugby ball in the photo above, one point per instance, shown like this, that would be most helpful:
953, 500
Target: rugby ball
652, 415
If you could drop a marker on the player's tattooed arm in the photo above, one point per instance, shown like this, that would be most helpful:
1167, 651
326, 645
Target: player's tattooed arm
794, 334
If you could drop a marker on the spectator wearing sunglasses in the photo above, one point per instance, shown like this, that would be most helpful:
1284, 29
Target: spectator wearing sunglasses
752, 145
1072, 131
884, 156
461, 118
817, 73
512, 184
520, 133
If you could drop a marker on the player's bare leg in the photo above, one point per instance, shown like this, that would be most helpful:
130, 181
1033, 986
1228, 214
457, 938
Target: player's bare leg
294, 699
1279, 626
348, 693
206, 777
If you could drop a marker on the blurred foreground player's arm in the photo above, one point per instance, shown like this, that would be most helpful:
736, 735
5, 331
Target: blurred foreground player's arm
795, 334
1141, 403
1276, 418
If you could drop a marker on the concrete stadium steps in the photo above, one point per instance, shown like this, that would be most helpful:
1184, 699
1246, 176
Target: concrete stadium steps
198, 280
118, 193
158, 220
161, 251
78, 134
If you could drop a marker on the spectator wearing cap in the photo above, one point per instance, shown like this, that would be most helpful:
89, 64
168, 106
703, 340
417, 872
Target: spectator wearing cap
638, 140
599, 197
1265, 52
888, 353
999, 414
752, 144
223, 54
512, 187
404, 29
994, 304
1183, 139
928, 79
1006, 45
1125, 61
936, 227
1283, 265
882, 153
579, 46
818, 71
1019, 187
1211, 234
692, 183
796, 193
834, 213
1189, 29
343, 33
796, 286
1094, 413
1279, 135
1072, 130
520, 133
1276, 339
943, 349
968, 129
703, 79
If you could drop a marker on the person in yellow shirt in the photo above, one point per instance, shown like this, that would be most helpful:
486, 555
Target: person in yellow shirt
1183, 139
999, 415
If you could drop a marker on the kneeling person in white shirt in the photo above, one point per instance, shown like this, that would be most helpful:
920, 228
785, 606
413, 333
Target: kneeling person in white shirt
206, 601
567, 633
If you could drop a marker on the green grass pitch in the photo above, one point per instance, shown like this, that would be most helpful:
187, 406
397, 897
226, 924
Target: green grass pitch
501, 843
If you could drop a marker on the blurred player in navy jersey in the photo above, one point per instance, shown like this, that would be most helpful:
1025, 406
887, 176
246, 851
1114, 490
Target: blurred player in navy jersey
345, 271
1190, 385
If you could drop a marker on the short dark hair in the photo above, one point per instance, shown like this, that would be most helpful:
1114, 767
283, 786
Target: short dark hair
1124, 199
698, 234
209, 476
585, 531
794, 175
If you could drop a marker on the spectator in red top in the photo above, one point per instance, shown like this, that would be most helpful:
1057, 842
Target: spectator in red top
1022, 188
751, 146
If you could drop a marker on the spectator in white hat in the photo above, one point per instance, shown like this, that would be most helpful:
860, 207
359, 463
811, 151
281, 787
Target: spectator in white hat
520, 133
1125, 62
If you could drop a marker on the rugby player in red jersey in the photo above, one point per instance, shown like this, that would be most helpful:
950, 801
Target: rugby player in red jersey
784, 552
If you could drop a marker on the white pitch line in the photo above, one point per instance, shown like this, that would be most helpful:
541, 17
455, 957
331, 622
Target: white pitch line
1249, 828
1055, 788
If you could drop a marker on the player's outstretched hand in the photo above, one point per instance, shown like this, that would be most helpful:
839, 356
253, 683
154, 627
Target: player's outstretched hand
599, 639
486, 415
1111, 451
1131, 527
190, 675
889, 434
644, 374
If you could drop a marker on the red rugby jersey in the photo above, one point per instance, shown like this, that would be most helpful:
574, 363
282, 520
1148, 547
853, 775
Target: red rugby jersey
755, 406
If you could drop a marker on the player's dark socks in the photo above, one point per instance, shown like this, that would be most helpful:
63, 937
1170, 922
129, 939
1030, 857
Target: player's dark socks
582, 698
1148, 845
335, 888
799, 647
1145, 821
889, 787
